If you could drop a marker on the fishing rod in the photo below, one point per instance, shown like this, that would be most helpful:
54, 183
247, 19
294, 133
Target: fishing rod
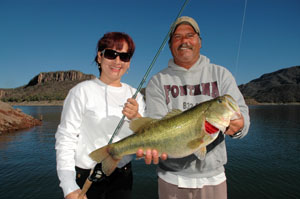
240, 41
148, 71
97, 173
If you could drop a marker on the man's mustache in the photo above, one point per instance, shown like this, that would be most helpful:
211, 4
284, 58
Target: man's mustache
184, 45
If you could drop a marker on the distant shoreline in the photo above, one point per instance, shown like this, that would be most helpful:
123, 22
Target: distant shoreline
61, 102
38, 103
274, 104
252, 102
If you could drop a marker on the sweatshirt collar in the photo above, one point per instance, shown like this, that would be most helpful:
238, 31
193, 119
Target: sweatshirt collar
203, 60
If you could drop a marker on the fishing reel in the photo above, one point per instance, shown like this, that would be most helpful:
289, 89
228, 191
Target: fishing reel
97, 175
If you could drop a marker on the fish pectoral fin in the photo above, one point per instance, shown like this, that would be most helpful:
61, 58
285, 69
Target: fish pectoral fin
194, 144
200, 150
109, 164
172, 113
99, 154
201, 153
137, 124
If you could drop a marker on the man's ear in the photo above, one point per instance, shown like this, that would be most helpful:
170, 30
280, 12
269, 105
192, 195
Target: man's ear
200, 42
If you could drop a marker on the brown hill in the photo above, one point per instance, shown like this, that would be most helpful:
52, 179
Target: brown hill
45, 87
282, 86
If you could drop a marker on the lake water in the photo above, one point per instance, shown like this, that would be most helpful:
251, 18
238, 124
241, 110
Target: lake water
264, 164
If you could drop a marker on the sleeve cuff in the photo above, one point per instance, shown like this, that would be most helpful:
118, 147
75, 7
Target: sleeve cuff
237, 134
67, 181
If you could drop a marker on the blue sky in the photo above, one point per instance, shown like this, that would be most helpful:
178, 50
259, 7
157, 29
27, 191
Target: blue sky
56, 35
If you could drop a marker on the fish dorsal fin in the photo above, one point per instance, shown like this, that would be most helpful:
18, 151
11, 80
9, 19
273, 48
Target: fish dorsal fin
172, 113
137, 124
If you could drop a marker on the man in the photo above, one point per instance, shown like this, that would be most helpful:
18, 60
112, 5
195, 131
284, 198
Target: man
190, 79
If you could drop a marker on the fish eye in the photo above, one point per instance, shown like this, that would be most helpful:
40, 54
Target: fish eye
219, 101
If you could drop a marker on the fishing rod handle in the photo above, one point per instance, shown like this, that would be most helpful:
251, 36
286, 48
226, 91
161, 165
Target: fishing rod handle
85, 188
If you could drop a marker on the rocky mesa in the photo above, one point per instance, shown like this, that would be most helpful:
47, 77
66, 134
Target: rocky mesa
46, 86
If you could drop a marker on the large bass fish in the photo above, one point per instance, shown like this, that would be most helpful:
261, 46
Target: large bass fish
178, 134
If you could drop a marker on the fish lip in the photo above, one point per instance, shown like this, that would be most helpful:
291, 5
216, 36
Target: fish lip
216, 125
232, 105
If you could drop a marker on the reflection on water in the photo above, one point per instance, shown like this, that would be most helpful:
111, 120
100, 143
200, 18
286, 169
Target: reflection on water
27, 158
264, 164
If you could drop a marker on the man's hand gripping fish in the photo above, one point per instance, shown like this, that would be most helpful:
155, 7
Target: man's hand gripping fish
178, 134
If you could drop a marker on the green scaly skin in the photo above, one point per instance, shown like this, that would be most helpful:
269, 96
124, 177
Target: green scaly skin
180, 135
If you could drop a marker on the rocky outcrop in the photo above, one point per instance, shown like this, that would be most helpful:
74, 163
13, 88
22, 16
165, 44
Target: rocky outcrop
59, 76
2, 93
14, 119
48, 86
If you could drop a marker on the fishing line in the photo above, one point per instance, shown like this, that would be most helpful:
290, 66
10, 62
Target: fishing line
98, 168
148, 71
240, 41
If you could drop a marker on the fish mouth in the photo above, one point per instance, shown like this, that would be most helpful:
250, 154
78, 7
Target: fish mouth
232, 106
220, 119
215, 125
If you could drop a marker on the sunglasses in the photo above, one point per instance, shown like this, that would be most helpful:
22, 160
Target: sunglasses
112, 54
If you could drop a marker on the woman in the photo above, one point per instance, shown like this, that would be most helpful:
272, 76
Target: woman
91, 112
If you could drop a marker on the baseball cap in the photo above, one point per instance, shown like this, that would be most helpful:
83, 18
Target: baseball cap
185, 19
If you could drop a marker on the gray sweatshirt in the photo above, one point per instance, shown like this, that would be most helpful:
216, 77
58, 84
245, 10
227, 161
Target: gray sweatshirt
178, 88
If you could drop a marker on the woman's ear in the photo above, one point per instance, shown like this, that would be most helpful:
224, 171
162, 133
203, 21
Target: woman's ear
99, 57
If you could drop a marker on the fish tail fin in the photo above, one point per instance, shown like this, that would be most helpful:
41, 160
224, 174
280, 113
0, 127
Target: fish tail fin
99, 154
102, 155
109, 164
